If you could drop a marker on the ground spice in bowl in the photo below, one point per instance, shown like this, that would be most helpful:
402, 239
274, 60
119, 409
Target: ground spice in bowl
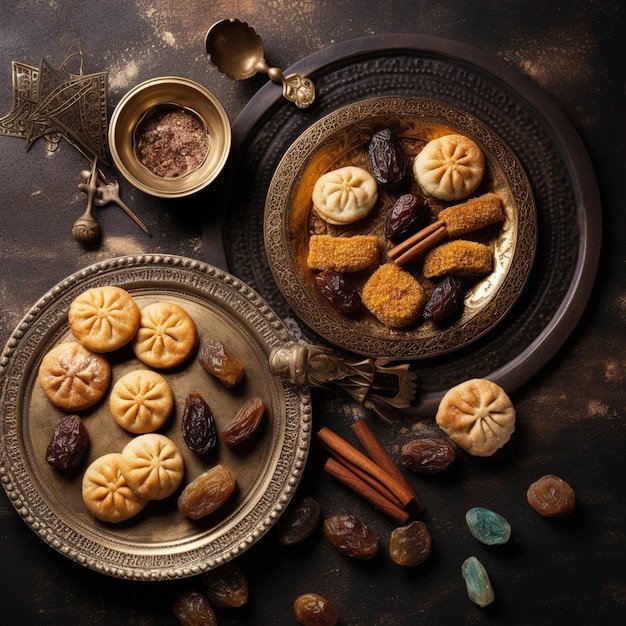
171, 141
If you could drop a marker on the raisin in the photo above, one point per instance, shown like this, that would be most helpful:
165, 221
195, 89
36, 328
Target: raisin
311, 609
299, 523
410, 545
488, 526
207, 493
551, 496
244, 423
198, 425
226, 585
477, 582
445, 301
69, 443
218, 360
351, 537
427, 456
340, 292
193, 609
388, 163
408, 213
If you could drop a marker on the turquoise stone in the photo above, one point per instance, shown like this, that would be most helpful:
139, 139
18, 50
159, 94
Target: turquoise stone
476, 579
488, 526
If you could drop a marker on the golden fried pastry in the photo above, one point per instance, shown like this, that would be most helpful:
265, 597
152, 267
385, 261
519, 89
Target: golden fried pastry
106, 493
394, 296
343, 254
477, 415
72, 377
345, 195
449, 167
103, 319
458, 258
166, 336
472, 215
152, 466
141, 401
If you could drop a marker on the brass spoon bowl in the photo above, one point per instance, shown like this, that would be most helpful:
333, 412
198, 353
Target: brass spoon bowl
237, 51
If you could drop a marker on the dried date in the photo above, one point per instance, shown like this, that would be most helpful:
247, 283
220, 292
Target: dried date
427, 456
551, 496
406, 216
445, 301
311, 609
299, 523
350, 536
410, 545
193, 609
215, 357
198, 425
207, 493
340, 292
388, 163
246, 422
226, 585
69, 443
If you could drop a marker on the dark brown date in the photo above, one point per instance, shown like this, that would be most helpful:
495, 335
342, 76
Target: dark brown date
198, 425
551, 496
427, 456
350, 536
445, 301
244, 423
410, 545
388, 163
340, 292
226, 585
409, 213
193, 609
215, 357
69, 443
311, 609
299, 523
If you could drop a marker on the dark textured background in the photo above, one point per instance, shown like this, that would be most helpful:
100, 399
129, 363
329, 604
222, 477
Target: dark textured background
571, 414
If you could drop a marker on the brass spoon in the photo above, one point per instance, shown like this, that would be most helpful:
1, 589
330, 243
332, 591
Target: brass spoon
237, 51
86, 229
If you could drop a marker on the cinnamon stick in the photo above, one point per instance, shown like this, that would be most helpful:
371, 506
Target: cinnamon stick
405, 245
362, 489
422, 246
380, 456
340, 447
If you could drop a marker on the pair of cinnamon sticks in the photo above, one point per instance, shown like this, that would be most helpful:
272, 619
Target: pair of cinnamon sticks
376, 478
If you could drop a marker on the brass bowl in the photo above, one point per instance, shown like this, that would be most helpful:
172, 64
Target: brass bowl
168, 91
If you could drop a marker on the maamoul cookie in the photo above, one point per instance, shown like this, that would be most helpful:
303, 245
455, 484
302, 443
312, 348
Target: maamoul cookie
106, 493
72, 377
458, 258
103, 319
343, 254
477, 415
141, 401
166, 336
152, 466
449, 167
394, 296
345, 195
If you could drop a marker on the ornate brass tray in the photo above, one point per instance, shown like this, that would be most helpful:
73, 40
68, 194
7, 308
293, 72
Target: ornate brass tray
341, 138
159, 543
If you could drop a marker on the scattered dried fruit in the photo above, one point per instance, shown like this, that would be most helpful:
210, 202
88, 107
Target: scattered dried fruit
193, 609
198, 425
69, 443
226, 585
388, 164
312, 609
427, 456
445, 301
244, 423
350, 536
551, 496
207, 493
409, 213
488, 526
218, 360
340, 292
410, 545
299, 523
477, 581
